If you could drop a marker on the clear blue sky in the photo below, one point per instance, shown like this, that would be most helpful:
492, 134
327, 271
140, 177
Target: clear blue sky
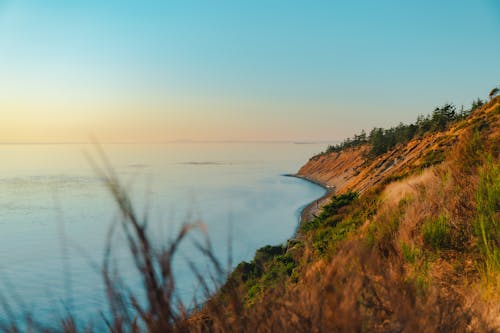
237, 70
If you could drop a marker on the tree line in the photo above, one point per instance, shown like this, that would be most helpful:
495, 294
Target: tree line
381, 140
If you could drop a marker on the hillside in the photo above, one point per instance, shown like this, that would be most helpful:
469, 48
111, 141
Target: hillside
351, 170
406, 241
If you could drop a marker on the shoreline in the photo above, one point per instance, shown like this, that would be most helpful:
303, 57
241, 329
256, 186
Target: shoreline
311, 209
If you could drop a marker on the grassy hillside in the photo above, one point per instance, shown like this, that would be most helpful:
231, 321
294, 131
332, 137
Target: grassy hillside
408, 241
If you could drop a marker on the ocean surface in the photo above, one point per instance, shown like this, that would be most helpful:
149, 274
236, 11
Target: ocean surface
55, 214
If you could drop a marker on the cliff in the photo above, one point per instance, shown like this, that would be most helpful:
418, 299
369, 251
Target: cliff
406, 241
351, 170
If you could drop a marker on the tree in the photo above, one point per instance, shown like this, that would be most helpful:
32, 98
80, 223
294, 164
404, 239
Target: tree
378, 141
442, 116
494, 92
362, 136
476, 104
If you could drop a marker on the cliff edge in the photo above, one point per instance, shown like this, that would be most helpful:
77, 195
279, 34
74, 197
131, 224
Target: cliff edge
406, 241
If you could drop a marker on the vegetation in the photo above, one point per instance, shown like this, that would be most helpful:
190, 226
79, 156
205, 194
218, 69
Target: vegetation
494, 92
410, 253
330, 213
270, 266
487, 224
436, 232
381, 140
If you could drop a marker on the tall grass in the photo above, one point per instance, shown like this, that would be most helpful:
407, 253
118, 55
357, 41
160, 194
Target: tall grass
154, 307
436, 232
487, 224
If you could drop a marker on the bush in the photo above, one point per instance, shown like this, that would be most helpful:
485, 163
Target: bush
246, 271
337, 202
267, 253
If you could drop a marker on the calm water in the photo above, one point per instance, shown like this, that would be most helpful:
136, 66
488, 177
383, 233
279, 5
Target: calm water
55, 214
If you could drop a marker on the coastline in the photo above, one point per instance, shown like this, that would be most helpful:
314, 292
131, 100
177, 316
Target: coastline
311, 209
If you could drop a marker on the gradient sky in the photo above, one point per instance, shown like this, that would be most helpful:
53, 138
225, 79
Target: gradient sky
237, 70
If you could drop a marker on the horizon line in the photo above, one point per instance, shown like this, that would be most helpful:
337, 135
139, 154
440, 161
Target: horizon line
165, 142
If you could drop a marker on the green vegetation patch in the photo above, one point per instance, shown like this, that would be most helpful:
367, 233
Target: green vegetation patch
419, 263
342, 216
325, 239
436, 232
487, 223
271, 266
331, 213
410, 253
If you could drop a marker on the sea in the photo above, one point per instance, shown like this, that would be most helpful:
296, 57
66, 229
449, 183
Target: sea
58, 218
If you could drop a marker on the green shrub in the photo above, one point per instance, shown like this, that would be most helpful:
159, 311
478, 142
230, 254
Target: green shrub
281, 267
245, 272
336, 220
338, 202
267, 253
328, 217
272, 265
437, 232
325, 239
267, 263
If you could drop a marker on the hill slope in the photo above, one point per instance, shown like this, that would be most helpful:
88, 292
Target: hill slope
407, 241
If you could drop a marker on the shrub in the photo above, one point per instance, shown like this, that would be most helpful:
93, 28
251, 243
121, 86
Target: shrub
281, 267
246, 271
325, 239
328, 217
337, 203
267, 253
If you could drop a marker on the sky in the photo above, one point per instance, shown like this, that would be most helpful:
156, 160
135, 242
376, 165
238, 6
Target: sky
260, 70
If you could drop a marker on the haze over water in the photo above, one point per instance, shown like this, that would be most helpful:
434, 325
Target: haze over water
55, 213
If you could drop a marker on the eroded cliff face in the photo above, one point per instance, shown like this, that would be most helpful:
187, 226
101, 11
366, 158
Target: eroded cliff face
351, 170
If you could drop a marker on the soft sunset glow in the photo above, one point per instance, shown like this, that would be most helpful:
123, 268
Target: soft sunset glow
223, 70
